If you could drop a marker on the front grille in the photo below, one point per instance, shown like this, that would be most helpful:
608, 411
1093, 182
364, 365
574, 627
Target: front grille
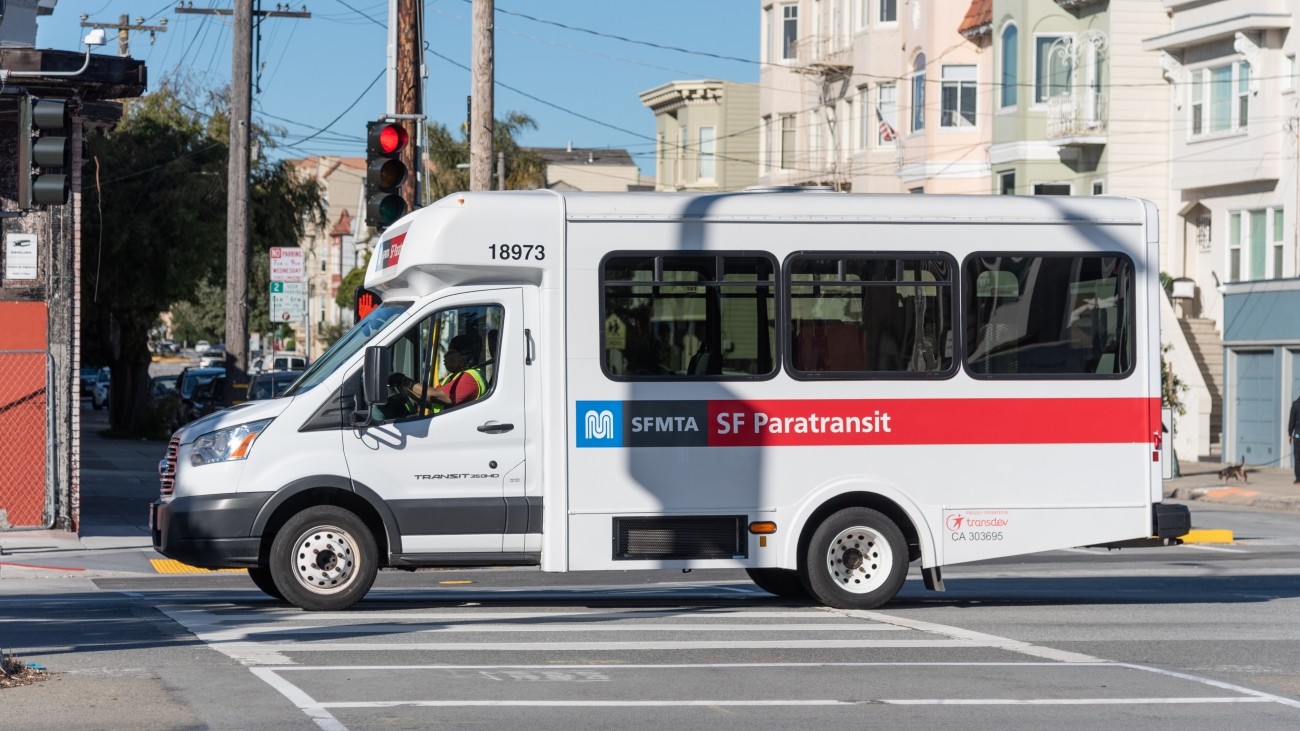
167, 469
680, 537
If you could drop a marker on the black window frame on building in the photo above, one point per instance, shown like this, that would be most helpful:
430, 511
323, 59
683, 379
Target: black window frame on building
1040, 311
870, 334
709, 361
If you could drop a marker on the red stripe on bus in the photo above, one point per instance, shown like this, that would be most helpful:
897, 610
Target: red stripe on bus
834, 422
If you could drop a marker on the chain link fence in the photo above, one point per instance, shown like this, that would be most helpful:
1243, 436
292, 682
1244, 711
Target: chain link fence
26, 429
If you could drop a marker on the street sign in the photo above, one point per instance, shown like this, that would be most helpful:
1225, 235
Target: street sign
288, 301
20, 256
288, 264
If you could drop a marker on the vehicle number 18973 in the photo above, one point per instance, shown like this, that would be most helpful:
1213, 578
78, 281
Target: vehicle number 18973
511, 252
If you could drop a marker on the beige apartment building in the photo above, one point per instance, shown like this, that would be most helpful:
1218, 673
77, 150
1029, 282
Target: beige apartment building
874, 96
334, 250
588, 168
706, 138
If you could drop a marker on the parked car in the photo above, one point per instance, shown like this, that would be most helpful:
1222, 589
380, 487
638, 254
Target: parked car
202, 347
207, 397
160, 386
176, 407
88, 374
99, 392
167, 347
270, 385
278, 362
213, 358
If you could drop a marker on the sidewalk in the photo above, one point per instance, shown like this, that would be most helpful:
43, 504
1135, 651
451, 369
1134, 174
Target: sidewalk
1267, 488
119, 478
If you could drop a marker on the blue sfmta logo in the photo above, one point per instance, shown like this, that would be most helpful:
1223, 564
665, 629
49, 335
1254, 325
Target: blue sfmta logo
599, 423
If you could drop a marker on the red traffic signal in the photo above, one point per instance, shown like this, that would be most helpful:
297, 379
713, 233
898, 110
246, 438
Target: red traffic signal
385, 172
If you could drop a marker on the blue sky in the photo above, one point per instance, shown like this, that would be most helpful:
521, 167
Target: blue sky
315, 69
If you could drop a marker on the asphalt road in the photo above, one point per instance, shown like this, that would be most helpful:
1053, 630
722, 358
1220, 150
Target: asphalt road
1187, 637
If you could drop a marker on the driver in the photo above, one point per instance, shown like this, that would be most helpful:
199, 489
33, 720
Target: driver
463, 383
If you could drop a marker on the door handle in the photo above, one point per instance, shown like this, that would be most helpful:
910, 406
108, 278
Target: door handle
493, 427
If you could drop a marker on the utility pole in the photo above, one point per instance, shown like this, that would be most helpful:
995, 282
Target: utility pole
237, 182
241, 105
123, 27
481, 87
409, 106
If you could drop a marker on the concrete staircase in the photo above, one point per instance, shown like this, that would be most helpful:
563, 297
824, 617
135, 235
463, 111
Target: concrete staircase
1207, 348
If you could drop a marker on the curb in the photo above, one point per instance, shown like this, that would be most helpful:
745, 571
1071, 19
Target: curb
1208, 535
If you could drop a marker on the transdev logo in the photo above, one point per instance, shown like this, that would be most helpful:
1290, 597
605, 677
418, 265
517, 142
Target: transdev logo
390, 251
599, 423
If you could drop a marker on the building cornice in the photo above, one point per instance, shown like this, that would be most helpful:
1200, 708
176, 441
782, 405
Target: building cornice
1224, 29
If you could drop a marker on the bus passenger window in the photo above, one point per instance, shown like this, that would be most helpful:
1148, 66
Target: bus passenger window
880, 314
1051, 315
688, 315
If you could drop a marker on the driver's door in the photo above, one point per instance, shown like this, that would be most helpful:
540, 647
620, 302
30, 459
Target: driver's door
442, 470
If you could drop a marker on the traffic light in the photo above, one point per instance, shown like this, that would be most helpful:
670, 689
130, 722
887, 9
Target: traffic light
43, 144
385, 171
364, 302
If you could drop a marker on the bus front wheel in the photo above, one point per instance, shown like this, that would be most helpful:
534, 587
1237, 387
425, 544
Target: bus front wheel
857, 559
324, 559
261, 576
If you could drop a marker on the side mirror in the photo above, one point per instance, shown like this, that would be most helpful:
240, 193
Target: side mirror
374, 375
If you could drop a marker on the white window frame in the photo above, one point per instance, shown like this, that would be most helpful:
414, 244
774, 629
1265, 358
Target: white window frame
1200, 99
708, 154
765, 145
952, 77
788, 53
889, 111
880, 12
916, 82
765, 35
1288, 74
1099, 186
865, 118
789, 136
1045, 88
1271, 244
1014, 76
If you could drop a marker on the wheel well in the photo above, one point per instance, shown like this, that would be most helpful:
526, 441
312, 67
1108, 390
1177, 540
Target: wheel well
324, 496
870, 500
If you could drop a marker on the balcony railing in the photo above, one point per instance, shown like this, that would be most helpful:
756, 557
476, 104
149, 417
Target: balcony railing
826, 50
1078, 118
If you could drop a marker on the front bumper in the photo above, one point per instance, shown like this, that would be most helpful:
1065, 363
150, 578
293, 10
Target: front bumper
208, 531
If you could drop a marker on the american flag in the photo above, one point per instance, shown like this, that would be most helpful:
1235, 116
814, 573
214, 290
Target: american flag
887, 133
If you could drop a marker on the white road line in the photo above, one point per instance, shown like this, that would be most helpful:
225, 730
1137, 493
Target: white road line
1086, 551
1217, 684
1220, 549
225, 633
243, 649
784, 702
1064, 701
305, 703
966, 635
471, 615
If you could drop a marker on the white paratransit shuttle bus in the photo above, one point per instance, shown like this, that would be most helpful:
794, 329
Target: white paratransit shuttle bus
818, 388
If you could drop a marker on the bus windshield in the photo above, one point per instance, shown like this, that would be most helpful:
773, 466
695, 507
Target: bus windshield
354, 340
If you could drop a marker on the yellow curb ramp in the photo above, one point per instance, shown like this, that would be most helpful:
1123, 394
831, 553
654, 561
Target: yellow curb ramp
172, 566
1208, 535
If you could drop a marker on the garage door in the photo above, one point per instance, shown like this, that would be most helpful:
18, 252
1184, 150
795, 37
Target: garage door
1257, 394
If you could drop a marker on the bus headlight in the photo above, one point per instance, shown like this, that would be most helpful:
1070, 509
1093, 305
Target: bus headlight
224, 445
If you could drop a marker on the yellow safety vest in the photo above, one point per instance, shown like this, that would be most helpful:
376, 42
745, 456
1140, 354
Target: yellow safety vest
437, 406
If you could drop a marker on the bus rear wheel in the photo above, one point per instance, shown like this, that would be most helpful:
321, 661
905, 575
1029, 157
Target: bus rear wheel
857, 559
784, 583
324, 559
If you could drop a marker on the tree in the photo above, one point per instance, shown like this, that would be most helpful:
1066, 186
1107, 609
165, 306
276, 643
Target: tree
154, 232
525, 170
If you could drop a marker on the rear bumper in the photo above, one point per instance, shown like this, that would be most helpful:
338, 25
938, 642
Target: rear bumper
1170, 521
208, 531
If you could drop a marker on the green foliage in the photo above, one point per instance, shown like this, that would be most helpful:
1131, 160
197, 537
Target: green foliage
524, 170
1171, 386
154, 234
348, 287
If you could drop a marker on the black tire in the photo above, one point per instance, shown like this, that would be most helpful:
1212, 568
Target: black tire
784, 583
324, 559
857, 559
261, 576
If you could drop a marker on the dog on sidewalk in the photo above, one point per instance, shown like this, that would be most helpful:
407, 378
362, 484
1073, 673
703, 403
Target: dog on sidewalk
1234, 471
